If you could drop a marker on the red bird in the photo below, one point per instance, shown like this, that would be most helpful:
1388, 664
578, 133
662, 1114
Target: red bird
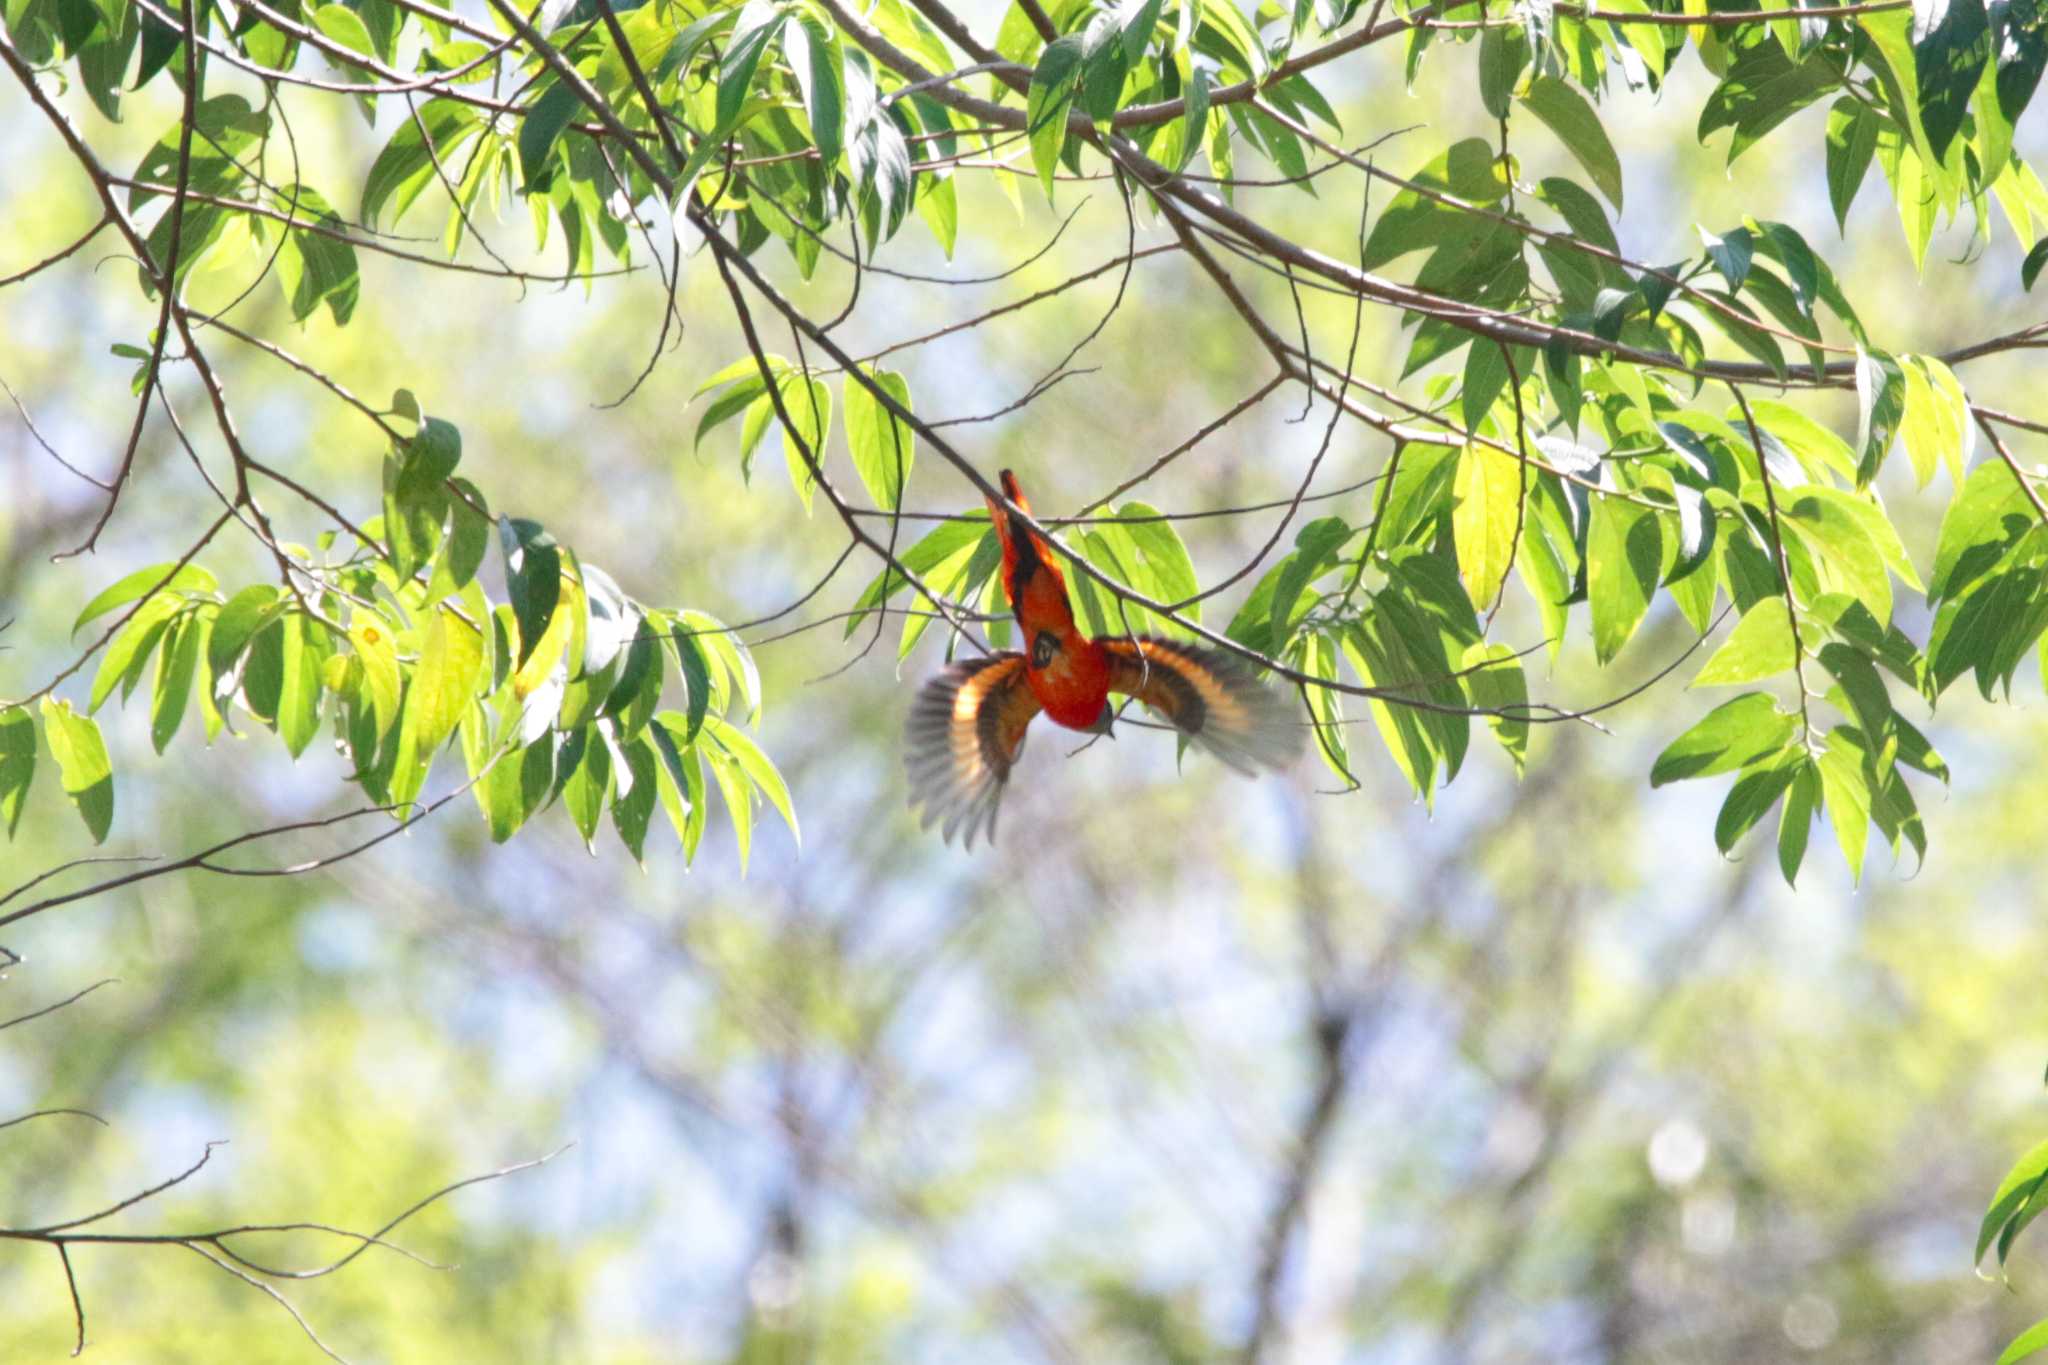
967, 726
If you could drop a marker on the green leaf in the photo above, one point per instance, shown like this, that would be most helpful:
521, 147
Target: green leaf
517, 785
533, 578
406, 166
1568, 115
1486, 375
1486, 516
469, 539
696, 673
1880, 406
428, 459
1733, 735
1988, 514
306, 648
2023, 1185
1852, 141
1496, 680
1951, 44
739, 796
1316, 547
755, 28
884, 446
2027, 1343
1050, 96
1763, 89
1164, 555
2030, 269
1862, 693
1503, 53
128, 653
633, 797
809, 406
246, 613
1845, 780
1418, 488
1795, 821
1760, 646
175, 665
157, 578
1468, 171
1753, 795
589, 784
820, 68
1731, 254
316, 267
81, 765
444, 682
1624, 559
758, 769
935, 548
371, 639
17, 763
1844, 557
1195, 121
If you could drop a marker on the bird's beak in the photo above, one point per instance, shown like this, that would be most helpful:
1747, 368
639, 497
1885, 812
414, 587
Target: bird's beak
1103, 722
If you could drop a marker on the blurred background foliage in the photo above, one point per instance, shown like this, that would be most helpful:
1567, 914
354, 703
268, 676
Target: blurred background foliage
1538, 1075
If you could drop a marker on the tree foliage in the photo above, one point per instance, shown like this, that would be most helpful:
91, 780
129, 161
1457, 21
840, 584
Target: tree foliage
1566, 427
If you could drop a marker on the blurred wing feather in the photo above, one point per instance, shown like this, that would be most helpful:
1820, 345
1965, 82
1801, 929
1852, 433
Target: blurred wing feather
965, 731
1210, 696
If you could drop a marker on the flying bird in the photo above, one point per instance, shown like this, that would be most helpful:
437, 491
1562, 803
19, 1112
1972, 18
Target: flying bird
968, 723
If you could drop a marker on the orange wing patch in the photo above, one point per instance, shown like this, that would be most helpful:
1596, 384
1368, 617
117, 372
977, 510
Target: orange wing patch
964, 733
1210, 696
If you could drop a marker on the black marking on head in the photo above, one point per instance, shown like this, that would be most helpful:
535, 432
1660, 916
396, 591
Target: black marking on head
1043, 646
1028, 560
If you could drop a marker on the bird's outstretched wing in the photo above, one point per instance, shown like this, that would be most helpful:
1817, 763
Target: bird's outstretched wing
965, 730
1210, 696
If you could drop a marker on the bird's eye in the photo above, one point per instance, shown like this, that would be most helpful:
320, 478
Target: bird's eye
1043, 646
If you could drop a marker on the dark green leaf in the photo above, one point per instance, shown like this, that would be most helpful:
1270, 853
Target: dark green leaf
1503, 53
1762, 90
1731, 255
1568, 115
1951, 44
533, 578
633, 800
2030, 269
1852, 141
1753, 795
1795, 821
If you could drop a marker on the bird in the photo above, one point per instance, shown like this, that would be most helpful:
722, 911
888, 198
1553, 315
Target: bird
967, 726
